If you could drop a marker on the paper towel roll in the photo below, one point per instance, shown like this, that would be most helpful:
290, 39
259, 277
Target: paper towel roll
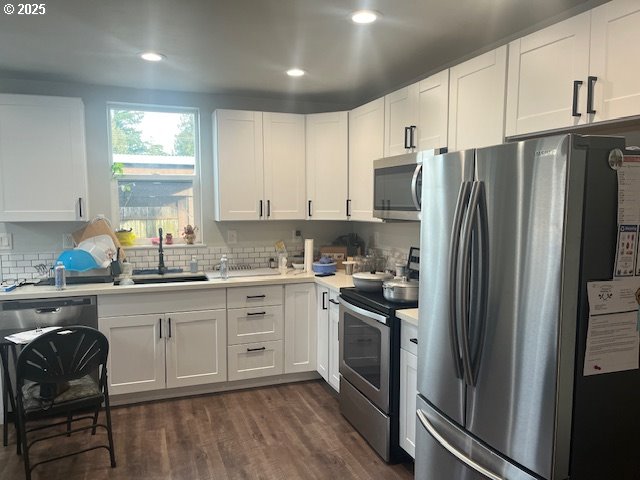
308, 255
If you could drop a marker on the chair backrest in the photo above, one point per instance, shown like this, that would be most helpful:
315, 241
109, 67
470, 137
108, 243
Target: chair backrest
62, 355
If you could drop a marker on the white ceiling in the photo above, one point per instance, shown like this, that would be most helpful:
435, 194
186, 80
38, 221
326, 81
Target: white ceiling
244, 46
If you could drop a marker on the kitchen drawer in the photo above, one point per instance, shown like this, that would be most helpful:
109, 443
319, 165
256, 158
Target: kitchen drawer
161, 302
407, 332
243, 297
255, 324
252, 360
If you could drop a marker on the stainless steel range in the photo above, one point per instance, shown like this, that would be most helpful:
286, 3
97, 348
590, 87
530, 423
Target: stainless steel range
369, 334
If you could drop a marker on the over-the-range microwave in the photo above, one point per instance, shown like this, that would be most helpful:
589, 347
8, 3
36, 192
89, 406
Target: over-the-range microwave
397, 185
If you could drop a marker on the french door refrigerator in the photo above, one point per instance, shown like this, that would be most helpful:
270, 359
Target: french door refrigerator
509, 237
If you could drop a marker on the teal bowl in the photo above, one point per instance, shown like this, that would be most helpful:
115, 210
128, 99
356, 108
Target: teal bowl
78, 260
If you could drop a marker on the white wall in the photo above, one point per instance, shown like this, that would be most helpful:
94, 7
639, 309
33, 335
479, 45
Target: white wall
33, 237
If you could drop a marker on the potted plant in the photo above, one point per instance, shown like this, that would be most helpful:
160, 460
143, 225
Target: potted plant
189, 234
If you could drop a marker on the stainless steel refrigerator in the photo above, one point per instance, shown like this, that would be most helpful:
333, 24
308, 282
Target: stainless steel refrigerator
509, 237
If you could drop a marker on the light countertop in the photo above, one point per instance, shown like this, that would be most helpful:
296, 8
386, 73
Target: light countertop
408, 314
334, 282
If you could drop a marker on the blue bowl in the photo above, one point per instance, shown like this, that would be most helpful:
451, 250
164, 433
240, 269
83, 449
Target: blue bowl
324, 267
78, 260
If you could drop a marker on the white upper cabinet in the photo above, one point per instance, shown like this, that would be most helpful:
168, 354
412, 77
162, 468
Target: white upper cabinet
400, 121
366, 144
548, 73
238, 165
43, 162
476, 101
615, 50
284, 165
259, 165
416, 116
327, 165
433, 111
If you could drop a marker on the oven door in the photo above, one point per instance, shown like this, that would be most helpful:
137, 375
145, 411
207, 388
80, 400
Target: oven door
365, 348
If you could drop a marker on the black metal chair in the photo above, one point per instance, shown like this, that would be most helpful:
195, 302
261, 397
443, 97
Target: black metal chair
63, 374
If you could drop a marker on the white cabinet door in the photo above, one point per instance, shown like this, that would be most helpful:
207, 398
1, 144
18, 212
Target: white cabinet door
238, 165
284, 166
476, 101
366, 144
400, 120
614, 59
433, 111
196, 348
334, 347
300, 328
543, 67
322, 314
408, 393
136, 352
43, 171
327, 165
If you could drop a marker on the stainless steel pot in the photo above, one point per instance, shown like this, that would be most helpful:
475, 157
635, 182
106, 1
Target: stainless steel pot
400, 290
369, 282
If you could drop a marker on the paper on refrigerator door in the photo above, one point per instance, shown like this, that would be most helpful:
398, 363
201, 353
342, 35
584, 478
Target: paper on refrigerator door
627, 246
613, 341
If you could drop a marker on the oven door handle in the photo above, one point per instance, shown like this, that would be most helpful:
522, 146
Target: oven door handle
365, 313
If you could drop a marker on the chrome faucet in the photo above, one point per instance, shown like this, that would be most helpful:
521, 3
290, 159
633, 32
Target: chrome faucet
161, 267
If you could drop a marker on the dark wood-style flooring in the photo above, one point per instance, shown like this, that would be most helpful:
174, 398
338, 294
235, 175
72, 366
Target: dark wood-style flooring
292, 431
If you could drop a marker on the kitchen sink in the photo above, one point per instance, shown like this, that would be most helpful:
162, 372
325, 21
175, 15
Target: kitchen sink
151, 271
167, 278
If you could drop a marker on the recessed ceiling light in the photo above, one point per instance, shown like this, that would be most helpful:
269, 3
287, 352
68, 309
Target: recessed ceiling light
152, 56
364, 16
295, 72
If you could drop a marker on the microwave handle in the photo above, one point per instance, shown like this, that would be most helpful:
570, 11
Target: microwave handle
414, 187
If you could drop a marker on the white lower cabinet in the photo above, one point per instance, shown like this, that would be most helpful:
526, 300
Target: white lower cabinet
300, 328
154, 351
408, 387
328, 351
150, 349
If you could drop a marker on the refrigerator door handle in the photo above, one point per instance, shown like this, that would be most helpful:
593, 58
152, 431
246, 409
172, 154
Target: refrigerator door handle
454, 246
482, 288
452, 450
464, 279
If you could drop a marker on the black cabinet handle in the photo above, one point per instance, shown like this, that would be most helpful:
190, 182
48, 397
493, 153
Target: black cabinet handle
309, 207
407, 137
413, 136
256, 313
80, 207
160, 325
591, 82
414, 340
256, 296
574, 108
256, 349
260, 208
169, 327
324, 300
268, 208
331, 300
348, 207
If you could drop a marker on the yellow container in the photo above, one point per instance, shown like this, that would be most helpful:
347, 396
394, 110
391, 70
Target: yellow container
126, 239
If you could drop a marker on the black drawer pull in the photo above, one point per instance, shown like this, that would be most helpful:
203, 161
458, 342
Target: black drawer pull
256, 313
256, 349
414, 340
574, 106
256, 296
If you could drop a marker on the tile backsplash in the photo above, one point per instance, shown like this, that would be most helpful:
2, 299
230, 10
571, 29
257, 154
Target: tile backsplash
22, 265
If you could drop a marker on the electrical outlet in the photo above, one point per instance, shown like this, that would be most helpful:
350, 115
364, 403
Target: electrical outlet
67, 241
6, 242
232, 237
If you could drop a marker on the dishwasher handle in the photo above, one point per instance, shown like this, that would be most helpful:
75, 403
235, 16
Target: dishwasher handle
47, 310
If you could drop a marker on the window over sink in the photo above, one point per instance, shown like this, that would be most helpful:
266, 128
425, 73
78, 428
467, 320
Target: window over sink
155, 169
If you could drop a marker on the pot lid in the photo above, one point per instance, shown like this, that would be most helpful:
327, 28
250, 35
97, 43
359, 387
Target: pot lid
378, 276
401, 282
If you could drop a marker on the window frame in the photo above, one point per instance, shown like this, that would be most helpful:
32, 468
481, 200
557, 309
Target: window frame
195, 178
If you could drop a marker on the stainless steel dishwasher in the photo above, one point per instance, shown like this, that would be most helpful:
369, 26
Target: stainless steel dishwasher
44, 312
